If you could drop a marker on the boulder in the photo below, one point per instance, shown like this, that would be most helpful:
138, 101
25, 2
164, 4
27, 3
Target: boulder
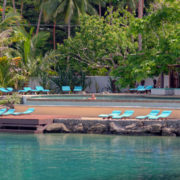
57, 127
168, 132
97, 128
156, 128
78, 128
115, 129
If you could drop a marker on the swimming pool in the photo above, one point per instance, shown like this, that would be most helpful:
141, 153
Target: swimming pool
107, 97
88, 157
105, 100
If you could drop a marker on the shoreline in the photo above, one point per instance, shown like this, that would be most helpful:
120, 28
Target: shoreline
118, 127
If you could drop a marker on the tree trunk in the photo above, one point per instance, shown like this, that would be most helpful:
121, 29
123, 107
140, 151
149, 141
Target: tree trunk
100, 10
22, 4
54, 35
140, 15
4, 9
69, 29
39, 21
14, 6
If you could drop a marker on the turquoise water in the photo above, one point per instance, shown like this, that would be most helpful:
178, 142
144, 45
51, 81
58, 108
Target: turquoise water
88, 157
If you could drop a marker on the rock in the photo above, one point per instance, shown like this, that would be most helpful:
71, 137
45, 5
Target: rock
134, 126
147, 128
156, 128
115, 129
97, 128
57, 127
78, 128
168, 132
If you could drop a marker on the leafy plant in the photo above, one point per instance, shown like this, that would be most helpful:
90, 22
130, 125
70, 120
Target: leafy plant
10, 100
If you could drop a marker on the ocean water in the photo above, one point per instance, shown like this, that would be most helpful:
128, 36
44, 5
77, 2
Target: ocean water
88, 157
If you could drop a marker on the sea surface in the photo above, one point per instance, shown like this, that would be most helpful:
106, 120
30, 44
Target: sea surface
88, 157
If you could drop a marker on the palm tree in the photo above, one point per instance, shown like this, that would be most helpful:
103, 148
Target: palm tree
140, 15
40, 3
4, 9
33, 61
14, 6
100, 3
69, 9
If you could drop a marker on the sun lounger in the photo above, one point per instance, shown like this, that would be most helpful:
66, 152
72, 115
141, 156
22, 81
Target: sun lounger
9, 112
77, 89
66, 89
145, 89
163, 115
10, 89
27, 90
152, 113
126, 114
136, 89
114, 113
41, 89
3, 111
29, 111
4, 90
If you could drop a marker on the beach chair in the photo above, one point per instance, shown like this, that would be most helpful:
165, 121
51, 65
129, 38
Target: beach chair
9, 112
29, 111
10, 89
136, 89
66, 89
3, 90
27, 90
152, 113
41, 89
114, 113
3, 111
127, 114
145, 89
77, 89
163, 115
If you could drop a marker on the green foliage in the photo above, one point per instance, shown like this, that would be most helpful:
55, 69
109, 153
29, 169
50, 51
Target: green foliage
10, 100
69, 78
102, 43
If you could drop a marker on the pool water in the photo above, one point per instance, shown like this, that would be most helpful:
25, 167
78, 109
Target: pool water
106, 97
88, 157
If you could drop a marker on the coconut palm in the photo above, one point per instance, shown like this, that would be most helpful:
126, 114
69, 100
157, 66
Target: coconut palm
33, 61
100, 3
40, 3
4, 9
69, 9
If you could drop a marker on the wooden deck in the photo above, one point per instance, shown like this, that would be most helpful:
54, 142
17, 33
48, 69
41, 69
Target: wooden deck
27, 123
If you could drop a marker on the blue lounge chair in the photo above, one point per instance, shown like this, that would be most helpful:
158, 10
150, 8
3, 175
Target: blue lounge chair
136, 89
3, 90
10, 89
126, 114
66, 89
163, 115
9, 112
114, 113
3, 111
41, 89
29, 111
77, 89
27, 90
152, 113
145, 89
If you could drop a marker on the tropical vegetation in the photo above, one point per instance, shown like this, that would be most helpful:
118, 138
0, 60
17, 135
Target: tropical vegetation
129, 40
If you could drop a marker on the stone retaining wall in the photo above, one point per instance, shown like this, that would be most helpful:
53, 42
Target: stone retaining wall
121, 127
